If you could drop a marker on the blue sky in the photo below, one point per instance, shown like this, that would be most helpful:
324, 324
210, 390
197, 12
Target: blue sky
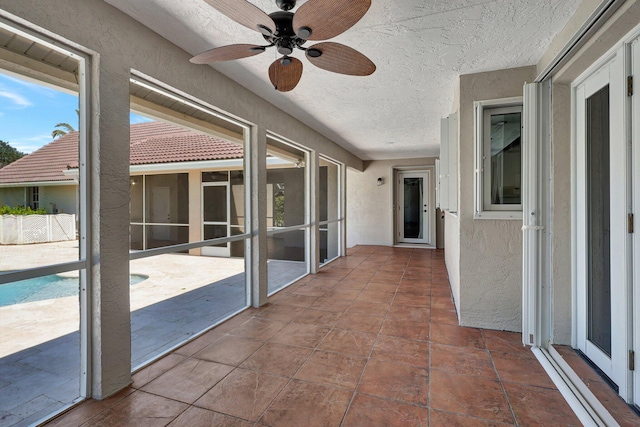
29, 112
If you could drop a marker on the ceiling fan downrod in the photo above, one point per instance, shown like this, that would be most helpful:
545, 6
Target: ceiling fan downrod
286, 5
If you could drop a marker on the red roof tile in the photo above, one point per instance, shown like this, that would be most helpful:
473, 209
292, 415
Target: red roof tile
151, 143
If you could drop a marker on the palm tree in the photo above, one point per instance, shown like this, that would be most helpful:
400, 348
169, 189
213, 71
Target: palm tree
66, 128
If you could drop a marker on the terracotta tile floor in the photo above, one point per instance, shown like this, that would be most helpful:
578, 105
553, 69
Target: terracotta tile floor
372, 340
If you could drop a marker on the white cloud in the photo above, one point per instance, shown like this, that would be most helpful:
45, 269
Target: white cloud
31, 144
40, 88
19, 100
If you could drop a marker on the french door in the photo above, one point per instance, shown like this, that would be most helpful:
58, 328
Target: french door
413, 220
602, 207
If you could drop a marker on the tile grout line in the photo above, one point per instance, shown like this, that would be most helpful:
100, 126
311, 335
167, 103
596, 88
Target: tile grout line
375, 341
504, 390
316, 348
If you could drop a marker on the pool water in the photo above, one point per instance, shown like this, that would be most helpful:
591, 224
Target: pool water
47, 287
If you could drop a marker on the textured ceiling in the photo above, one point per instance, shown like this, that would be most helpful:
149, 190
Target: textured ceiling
420, 47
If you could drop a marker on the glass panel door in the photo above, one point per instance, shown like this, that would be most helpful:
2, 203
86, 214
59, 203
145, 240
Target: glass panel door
413, 207
215, 217
598, 221
413, 204
602, 241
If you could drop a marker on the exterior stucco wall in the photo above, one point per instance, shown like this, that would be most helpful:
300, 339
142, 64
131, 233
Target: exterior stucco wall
452, 255
63, 197
370, 207
490, 268
118, 44
12, 196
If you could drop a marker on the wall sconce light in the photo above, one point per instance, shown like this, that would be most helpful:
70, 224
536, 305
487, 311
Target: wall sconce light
380, 181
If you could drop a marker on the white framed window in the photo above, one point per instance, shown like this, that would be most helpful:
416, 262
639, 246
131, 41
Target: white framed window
34, 198
498, 148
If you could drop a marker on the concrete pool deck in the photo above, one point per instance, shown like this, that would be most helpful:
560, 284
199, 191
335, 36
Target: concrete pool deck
39, 344
29, 324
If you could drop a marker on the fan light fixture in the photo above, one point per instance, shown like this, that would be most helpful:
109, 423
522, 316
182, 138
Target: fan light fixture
287, 31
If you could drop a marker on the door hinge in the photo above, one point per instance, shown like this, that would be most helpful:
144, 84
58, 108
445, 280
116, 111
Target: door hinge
630, 86
632, 360
630, 223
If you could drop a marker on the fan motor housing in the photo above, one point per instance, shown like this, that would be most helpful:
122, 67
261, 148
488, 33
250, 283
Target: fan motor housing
284, 24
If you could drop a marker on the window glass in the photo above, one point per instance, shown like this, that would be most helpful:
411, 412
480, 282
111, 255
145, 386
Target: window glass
599, 220
286, 207
329, 192
215, 176
498, 171
506, 159
187, 291
136, 189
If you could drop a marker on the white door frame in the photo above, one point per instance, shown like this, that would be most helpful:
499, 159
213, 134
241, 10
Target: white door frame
214, 250
428, 232
635, 169
612, 73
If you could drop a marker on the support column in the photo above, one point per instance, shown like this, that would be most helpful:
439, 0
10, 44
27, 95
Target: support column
195, 210
314, 212
108, 134
257, 179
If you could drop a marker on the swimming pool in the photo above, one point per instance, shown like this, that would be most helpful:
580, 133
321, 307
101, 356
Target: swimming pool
47, 287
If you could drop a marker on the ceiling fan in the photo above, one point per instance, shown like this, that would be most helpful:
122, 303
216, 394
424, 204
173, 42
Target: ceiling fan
286, 31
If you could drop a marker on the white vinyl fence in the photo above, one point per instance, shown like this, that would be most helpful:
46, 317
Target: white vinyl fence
26, 229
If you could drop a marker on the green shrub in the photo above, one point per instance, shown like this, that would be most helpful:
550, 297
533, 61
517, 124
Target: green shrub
21, 210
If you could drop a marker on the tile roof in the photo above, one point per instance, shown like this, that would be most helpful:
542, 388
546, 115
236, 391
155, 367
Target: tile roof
151, 143
45, 164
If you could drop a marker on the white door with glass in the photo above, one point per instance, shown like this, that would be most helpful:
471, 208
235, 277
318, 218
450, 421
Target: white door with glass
602, 204
413, 220
215, 217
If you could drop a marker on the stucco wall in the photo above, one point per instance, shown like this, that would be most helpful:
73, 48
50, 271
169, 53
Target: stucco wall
12, 196
62, 196
452, 255
370, 207
118, 44
490, 268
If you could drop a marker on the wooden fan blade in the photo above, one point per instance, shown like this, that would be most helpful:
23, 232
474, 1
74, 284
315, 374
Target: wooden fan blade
245, 13
285, 77
227, 53
328, 18
341, 59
